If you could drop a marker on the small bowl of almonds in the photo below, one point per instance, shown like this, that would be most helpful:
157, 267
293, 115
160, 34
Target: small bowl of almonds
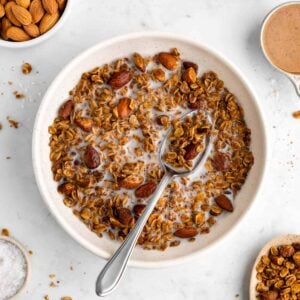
24, 23
276, 271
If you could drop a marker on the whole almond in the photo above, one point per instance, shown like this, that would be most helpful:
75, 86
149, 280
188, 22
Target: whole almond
61, 4
91, 157
269, 295
119, 79
21, 14
23, 3
286, 250
168, 60
189, 75
190, 152
224, 202
200, 103
189, 64
221, 161
139, 62
9, 14
66, 109
48, 21
17, 34
186, 232
5, 24
138, 209
123, 107
131, 182
50, 6
85, 124
32, 29
145, 190
36, 10
124, 215
2, 11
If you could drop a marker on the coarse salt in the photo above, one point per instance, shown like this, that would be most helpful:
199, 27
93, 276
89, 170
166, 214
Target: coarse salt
13, 269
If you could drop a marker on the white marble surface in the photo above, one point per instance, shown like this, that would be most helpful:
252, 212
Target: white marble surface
231, 27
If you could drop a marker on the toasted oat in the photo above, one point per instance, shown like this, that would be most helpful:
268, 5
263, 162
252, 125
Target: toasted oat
12, 123
296, 114
26, 68
19, 95
66, 298
99, 185
5, 232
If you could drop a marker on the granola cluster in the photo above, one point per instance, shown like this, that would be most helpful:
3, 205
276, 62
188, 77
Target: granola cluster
278, 273
104, 148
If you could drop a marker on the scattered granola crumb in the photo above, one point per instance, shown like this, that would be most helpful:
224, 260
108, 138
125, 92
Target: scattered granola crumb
52, 284
5, 232
26, 68
9, 82
30, 252
19, 95
66, 298
296, 114
51, 276
8, 157
1, 126
237, 295
12, 123
46, 297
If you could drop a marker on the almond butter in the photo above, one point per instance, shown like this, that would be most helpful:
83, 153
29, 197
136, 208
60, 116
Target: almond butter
66, 109
169, 61
21, 14
17, 34
119, 79
61, 4
224, 202
139, 62
91, 157
145, 190
123, 107
48, 21
186, 232
9, 14
50, 6
23, 3
2, 11
36, 10
138, 209
32, 29
131, 182
189, 75
5, 24
85, 124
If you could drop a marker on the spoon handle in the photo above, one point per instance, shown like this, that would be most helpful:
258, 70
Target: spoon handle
115, 267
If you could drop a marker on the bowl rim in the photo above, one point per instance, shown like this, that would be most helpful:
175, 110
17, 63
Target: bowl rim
42, 37
28, 264
149, 34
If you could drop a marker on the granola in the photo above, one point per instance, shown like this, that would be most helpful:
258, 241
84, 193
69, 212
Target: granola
104, 144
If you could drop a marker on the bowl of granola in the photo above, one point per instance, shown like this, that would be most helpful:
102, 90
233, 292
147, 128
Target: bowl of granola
96, 140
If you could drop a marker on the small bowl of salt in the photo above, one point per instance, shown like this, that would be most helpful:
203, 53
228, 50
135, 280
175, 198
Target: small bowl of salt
14, 268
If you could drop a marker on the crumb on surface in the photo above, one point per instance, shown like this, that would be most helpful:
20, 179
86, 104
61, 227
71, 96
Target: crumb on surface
9, 82
51, 276
296, 114
5, 232
30, 252
26, 68
66, 298
8, 157
53, 284
46, 297
12, 123
19, 95
1, 126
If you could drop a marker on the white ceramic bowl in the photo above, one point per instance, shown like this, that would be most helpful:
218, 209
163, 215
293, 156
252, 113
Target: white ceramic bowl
43, 37
147, 44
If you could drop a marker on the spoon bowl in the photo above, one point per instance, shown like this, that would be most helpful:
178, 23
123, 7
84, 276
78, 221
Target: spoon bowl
280, 240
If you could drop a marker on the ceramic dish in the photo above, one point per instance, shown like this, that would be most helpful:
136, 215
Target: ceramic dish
280, 240
43, 37
26, 257
146, 44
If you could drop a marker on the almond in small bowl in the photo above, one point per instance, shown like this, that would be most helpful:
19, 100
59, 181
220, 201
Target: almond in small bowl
25, 23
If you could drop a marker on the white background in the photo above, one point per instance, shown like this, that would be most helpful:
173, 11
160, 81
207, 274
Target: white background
231, 27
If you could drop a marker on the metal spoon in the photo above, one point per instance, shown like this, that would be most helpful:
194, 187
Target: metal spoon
115, 267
